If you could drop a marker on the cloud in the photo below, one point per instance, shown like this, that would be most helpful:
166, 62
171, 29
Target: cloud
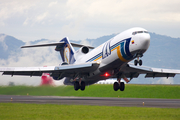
32, 57
164, 81
124, 10
121, 10
42, 17
84, 19
86, 42
52, 4
11, 9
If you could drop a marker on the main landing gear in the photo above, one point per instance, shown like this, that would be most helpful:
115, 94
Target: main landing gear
79, 85
119, 85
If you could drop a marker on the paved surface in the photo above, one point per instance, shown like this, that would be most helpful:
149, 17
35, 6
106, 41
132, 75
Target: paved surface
128, 102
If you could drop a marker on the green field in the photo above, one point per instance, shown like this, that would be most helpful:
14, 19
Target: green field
19, 111
131, 91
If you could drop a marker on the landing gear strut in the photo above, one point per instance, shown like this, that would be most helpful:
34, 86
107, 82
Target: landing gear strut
79, 85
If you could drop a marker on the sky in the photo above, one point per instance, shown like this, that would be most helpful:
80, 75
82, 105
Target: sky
30, 20
36, 57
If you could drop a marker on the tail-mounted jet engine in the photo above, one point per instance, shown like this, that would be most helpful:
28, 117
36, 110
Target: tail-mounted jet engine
82, 51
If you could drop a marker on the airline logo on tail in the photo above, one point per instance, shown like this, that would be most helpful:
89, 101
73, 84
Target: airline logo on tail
67, 51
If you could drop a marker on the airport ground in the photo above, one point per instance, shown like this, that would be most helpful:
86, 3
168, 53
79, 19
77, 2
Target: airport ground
131, 91
21, 111
101, 102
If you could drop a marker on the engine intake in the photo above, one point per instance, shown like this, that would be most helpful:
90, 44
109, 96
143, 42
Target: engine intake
84, 49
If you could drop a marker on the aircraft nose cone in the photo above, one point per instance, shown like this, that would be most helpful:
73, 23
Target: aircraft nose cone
145, 41
140, 43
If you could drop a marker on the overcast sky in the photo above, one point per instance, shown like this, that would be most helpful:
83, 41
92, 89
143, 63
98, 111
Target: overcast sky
30, 20
81, 19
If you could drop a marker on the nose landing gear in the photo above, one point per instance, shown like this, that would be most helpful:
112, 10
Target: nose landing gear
138, 60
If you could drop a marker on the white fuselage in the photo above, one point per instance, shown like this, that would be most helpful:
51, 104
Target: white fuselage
115, 52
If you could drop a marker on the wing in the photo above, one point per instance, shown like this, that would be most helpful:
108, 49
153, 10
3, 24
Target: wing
131, 71
55, 71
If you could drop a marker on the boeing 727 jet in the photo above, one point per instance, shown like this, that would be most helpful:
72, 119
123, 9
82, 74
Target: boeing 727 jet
109, 60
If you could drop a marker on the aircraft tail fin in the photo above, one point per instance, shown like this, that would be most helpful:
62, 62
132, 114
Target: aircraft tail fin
66, 51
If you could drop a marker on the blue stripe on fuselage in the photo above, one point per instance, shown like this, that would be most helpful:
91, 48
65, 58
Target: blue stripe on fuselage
124, 50
127, 47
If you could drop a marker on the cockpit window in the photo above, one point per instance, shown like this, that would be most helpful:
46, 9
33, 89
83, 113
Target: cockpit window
136, 32
145, 31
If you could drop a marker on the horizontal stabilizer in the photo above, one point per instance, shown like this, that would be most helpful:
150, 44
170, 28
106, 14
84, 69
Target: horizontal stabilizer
43, 45
55, 44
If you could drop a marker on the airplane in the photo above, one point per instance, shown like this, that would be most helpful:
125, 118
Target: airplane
109, 60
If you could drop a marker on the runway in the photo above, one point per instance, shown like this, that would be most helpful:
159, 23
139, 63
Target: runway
124, 102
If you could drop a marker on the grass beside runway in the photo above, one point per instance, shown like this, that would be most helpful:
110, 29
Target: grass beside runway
131, 91
21, 111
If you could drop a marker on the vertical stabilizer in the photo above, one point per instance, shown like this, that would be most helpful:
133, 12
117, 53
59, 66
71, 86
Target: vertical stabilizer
66, 51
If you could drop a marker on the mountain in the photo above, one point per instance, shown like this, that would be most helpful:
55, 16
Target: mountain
163, 52
9, 45
98, 41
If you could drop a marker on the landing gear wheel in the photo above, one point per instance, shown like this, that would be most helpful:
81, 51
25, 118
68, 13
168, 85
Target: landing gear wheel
135, 62
76, 85
140, 62
122, 86
116, 86
82, 85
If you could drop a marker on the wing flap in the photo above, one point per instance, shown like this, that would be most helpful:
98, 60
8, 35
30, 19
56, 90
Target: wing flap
159, 75
23, 73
